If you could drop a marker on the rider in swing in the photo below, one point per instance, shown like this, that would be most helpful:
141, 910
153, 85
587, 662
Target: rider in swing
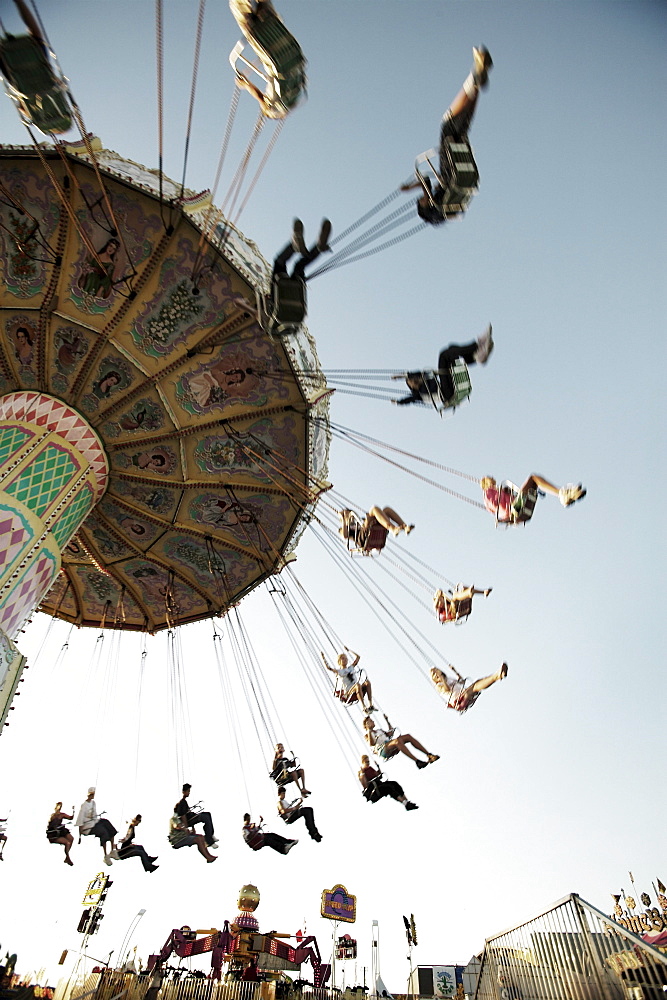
455, 124
455, 605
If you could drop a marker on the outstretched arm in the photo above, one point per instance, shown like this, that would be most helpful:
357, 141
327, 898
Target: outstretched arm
324, 661
356, 656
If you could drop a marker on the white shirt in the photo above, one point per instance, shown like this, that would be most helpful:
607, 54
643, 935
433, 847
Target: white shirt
87, 817
349, 677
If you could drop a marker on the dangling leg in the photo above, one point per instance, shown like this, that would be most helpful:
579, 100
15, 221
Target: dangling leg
202, 847
300, 778
566, 494
485, 682
459, 114
308, 256
390, 520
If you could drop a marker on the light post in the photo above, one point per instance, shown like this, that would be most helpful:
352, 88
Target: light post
134, 923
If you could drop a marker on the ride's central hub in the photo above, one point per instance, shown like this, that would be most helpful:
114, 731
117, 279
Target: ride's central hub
53, 470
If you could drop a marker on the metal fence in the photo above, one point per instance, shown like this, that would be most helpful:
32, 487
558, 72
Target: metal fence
125, 986
572, 951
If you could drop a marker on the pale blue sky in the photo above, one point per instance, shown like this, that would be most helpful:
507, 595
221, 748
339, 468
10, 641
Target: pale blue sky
552, 783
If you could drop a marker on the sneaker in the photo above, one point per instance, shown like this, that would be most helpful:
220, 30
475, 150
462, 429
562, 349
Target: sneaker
411, 805
153, 868
408, 528
488, 591
570, 494
482, 63
421, 763
323, 238
298, 241
108, 860
484, 347
503, 671
432, 757
114, 854
289, 845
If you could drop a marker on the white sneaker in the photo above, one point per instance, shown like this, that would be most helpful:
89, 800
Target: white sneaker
114, 854
289, 845
482, 63
484, 346
570, 494
108, 859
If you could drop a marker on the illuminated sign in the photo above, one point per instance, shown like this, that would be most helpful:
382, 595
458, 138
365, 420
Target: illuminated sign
95, 890
338, 905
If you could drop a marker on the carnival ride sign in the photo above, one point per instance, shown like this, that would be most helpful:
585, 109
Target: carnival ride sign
95, 890
337, 904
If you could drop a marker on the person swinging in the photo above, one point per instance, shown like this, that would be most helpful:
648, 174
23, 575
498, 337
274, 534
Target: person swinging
459, 695
128, 849
385, 744
441, 386
284, 770
370, 535
283, 310
457, 176
375, 788
291, 811
353, 688
455, 606
512, 504
256, 838
57, 832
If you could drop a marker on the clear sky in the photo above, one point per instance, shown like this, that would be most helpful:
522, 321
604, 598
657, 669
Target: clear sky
552, 783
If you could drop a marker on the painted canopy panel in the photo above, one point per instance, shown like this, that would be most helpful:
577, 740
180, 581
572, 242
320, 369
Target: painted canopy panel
120, 307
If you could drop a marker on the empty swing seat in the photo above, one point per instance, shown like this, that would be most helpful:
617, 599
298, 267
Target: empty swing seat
33, 85
279, 52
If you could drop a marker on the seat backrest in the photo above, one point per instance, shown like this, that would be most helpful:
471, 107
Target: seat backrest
278, 50
289, 300
522, 503
460, 383
376, 536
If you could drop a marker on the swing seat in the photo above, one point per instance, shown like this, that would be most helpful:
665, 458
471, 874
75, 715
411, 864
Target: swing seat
342, 696
465, 703
522, 504
460, 182
255, 840
461, 612
283, 62
285, 309
364, 539
33, 85
460, 377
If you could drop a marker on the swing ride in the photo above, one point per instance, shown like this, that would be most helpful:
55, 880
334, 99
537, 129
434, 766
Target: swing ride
165, 428
159, 377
